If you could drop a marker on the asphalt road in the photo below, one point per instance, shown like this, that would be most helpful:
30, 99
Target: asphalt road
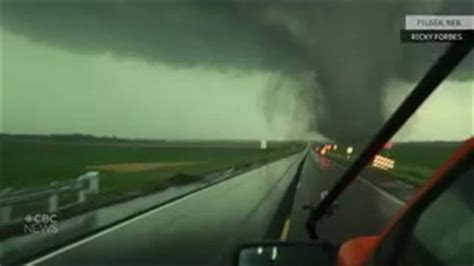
364, 208
206, 227
201, 229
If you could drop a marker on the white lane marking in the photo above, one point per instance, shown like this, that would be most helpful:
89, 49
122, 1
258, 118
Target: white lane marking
370, 184
274, 253
124, 223
113, 228
381, 191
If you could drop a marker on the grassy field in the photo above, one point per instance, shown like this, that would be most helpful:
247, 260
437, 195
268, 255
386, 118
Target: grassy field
29, 162
128, 168
414, 161
417, 161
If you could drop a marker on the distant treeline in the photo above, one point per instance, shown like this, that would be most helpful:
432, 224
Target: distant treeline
430, 142
88, 138
407, 145
67, 137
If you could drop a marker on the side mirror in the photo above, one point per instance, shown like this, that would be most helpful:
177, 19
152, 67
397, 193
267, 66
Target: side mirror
285, 254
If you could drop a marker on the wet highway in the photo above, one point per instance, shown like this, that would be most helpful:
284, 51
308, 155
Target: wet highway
200, 229
204, 228
363, 209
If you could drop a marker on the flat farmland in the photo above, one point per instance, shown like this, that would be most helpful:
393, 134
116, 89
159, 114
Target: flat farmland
417, 161
124, 165
128, 169
414, 161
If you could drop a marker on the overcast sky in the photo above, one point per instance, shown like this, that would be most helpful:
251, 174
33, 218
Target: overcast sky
47, 89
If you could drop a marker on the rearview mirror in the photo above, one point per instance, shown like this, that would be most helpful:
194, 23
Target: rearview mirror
285, 254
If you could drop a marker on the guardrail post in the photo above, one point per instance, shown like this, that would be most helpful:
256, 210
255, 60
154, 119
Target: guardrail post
92, 178
5, 214
81, 196
94, 182
5, 211
53, 201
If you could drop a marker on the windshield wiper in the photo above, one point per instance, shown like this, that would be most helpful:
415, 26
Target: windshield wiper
435, 75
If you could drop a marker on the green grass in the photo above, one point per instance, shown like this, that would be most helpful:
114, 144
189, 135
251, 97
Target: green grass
28, 163
426, 155
416, 161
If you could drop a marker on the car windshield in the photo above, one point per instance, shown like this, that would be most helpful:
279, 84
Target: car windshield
151, 126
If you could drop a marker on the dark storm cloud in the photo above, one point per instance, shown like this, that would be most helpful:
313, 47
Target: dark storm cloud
182, 34
355, 50
349, 49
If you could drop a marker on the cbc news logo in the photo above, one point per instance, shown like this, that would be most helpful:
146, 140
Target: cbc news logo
41, 223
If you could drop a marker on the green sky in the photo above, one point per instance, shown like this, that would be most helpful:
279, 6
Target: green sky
50, 90
446, 115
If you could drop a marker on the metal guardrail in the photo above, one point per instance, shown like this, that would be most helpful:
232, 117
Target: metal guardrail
85, 184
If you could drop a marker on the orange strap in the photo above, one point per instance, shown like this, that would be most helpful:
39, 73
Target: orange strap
358, 251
